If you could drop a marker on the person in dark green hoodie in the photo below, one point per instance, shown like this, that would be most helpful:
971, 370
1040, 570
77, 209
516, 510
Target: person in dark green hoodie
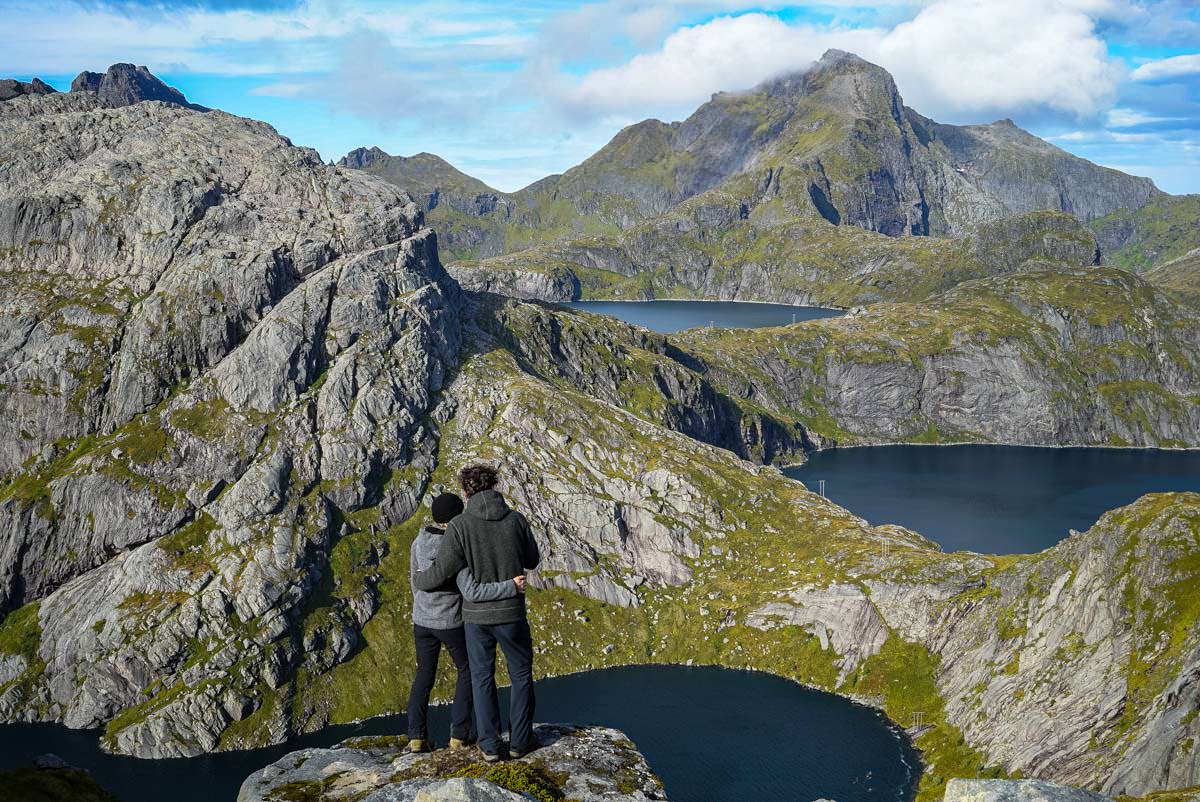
495, 543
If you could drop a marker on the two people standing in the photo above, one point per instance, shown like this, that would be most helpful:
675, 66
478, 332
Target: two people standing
469, 595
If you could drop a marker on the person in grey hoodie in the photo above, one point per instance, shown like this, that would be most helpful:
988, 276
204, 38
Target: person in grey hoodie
495, 542
437, 622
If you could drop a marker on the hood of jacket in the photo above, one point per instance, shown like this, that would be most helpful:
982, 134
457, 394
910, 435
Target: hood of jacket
488, 505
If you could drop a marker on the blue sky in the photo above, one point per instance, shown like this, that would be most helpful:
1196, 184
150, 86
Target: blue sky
510, 92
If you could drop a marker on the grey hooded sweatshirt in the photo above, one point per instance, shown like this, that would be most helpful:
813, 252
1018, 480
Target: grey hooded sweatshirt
497, 543
441, 608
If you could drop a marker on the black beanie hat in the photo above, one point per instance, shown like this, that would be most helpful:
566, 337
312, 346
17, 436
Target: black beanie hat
445, 507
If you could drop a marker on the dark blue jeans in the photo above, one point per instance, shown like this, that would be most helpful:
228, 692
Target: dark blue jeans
428, 643
517, 644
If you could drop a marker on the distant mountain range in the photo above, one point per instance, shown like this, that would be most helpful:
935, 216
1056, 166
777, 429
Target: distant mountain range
744, 199
835, 141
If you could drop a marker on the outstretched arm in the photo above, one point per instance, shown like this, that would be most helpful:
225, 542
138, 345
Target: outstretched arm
474, 591
449, 561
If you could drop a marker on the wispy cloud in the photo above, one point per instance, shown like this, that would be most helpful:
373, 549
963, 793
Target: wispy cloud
1168, 68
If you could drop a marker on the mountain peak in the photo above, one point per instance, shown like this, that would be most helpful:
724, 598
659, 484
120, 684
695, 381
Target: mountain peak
125, 84
10, 88
833, 56
359, 158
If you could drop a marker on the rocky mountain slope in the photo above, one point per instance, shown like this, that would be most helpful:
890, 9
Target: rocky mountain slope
230, 374
832, 145
1094, 356
701, 251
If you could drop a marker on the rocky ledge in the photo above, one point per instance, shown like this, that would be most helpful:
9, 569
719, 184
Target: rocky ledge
577, 763
1017, 791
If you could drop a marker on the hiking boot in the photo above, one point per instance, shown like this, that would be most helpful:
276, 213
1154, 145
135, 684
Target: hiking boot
461, 743
488, 757
521, 752
417, 745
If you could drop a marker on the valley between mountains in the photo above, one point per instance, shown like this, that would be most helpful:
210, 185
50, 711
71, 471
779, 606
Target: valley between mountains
230, 374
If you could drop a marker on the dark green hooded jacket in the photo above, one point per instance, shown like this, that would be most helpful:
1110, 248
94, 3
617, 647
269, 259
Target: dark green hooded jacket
495, 542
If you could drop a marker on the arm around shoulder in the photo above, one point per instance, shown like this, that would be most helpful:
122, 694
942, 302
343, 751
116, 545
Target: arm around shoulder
476, 592
449, 561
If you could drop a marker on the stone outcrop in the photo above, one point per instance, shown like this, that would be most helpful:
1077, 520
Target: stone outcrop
126, 84
10, 88
583, 763
1017, 791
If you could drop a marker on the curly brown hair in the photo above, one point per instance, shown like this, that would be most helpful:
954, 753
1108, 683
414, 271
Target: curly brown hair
477, 478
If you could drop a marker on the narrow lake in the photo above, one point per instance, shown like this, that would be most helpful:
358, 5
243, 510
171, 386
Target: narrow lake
712, 734
994, 499
668, 316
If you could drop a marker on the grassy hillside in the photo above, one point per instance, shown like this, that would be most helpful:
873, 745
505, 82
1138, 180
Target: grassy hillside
1166, 228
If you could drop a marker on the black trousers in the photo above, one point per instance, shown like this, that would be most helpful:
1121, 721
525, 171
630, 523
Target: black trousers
429, 644
517, 644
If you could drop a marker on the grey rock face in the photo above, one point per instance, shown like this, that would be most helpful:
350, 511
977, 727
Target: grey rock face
126, 84
1017, 791
585, 763
10, 88
1051, 686
1055, 372
517, 283
237, 340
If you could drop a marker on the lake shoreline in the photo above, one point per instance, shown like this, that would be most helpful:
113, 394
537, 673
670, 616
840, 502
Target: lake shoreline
1006, 444
600, 696
842, 309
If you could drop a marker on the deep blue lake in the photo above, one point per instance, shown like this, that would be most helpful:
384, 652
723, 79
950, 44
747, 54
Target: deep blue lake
994, 499
712, 734
668, 316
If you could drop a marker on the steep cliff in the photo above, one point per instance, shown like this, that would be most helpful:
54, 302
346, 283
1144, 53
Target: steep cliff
1095, 356
217, 350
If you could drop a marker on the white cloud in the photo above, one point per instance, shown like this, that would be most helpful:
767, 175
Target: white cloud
969, 56
1167, 68
1130, 118
954, 57
1104, 136
728, 53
